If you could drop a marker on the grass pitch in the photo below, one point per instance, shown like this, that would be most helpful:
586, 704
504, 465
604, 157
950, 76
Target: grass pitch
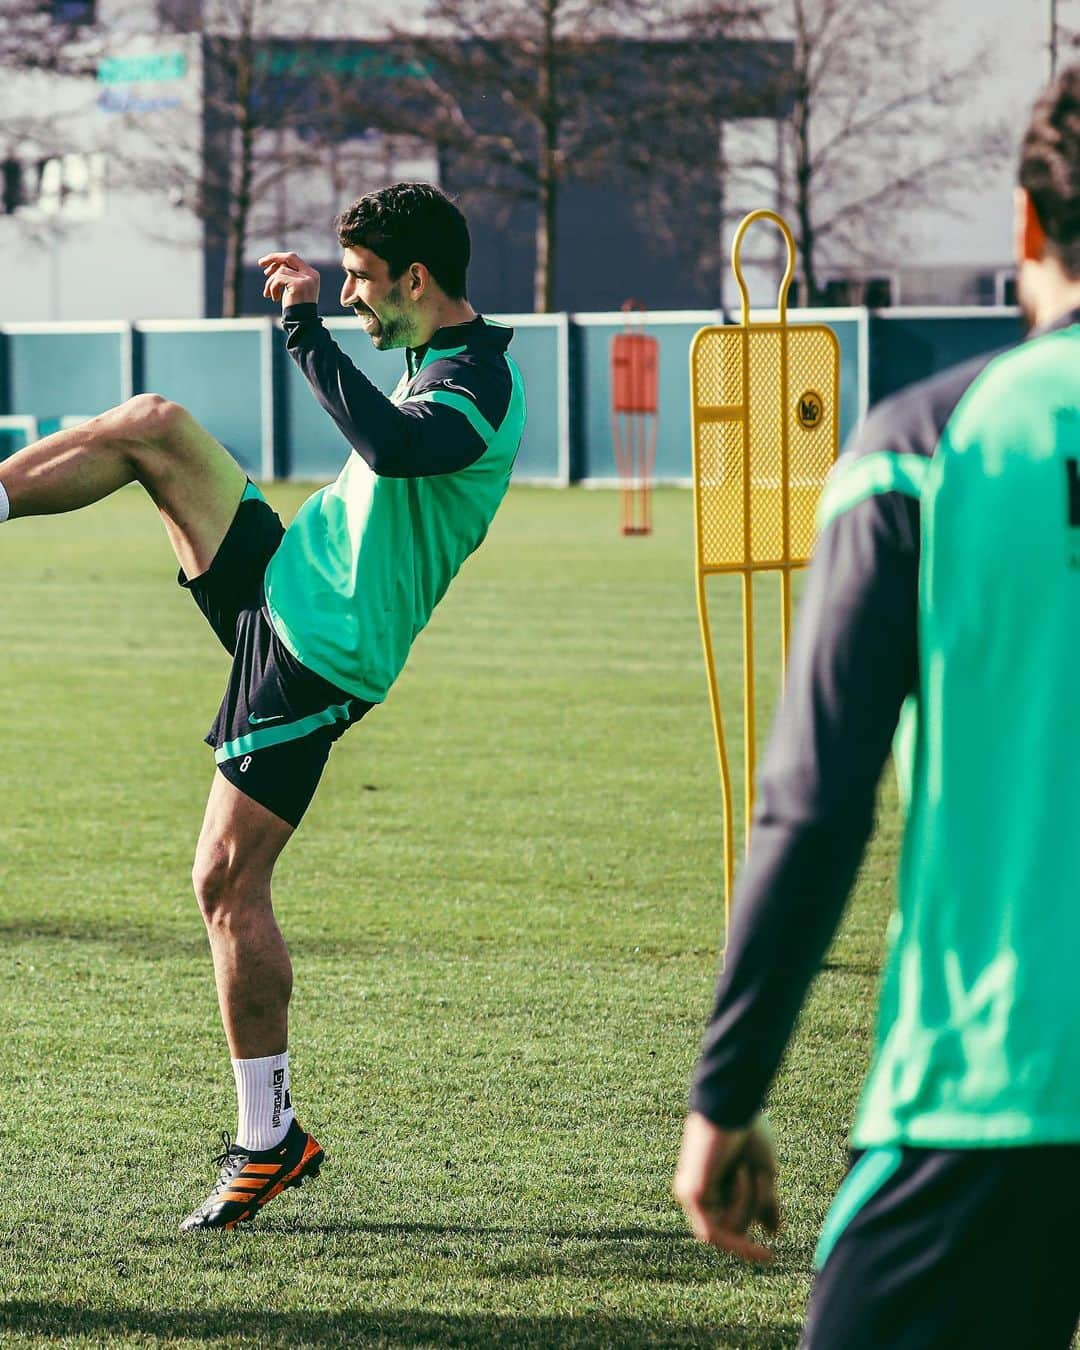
504, 910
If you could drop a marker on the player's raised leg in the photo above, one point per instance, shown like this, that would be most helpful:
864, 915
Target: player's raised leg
234, 862
194, 482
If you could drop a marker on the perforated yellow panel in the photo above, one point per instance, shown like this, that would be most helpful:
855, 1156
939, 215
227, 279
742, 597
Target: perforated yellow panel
718, 368
760, 463
766, 451
720, 491
814, 367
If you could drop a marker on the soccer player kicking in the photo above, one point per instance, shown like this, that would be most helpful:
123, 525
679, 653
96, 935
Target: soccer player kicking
318, 617
946, 582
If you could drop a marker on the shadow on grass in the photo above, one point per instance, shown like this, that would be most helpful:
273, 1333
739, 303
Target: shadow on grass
159, 943
654, 1256
163, 942
518, 1255
407, 1230
136, 938
392, 1327
870, 969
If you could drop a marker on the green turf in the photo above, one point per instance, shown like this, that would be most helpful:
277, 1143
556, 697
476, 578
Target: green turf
504, 912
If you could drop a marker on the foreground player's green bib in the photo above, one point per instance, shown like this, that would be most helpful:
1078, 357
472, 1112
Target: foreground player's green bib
367, 559
979, 1026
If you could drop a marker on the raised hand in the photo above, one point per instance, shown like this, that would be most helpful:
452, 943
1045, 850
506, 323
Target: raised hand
289, 279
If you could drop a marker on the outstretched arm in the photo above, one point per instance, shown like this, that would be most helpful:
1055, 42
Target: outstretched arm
416, 439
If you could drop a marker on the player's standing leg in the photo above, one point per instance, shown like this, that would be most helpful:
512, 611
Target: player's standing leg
239, 844
234, 862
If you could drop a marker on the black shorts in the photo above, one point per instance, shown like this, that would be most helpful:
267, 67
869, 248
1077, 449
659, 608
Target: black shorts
278, 720
939, 1249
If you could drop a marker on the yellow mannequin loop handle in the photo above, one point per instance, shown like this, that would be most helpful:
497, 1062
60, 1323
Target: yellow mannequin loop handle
736, 260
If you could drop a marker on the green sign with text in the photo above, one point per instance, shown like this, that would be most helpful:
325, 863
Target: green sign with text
153, 68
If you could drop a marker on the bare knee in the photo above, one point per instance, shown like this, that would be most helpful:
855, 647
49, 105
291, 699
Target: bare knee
150, 428
227, 885
153, 417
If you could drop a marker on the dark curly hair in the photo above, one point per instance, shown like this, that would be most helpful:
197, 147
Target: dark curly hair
1050, 166
407, 223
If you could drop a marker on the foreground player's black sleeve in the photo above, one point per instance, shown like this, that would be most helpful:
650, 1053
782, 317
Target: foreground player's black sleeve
408, 440
852, 664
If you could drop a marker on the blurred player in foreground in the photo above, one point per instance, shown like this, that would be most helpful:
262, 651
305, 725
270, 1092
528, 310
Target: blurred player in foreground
319, 617
943, 599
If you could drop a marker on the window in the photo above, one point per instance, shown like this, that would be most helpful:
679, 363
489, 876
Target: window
72, 186
878, 292
985, 288
74, 11
11, 185
1005, 287
180, 16
874, 292
838, 291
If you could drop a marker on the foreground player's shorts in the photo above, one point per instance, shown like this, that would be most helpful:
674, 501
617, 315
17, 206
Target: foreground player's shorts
941, 1249
278, 720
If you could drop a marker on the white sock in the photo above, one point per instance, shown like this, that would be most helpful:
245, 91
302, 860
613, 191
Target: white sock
5, 505
264, 1101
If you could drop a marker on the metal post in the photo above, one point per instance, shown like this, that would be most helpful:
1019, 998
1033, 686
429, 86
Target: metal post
781, 204
1053, 36
721, 212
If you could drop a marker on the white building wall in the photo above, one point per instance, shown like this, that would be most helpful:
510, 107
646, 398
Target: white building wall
130, 252
94, 243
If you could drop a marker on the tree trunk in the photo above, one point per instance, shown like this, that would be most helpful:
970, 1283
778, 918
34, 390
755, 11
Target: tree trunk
804, 173
233, 286
240, 205
548, 187
801, 105
719, 214
544, 280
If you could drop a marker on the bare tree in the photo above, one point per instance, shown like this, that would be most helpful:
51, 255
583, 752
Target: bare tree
1066, 47
278, 120
255, 136
871, 127
1062, 35
527, 94
32, 38
713, 67
875, 128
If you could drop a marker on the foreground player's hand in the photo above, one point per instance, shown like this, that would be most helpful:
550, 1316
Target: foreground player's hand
726, 1182
289, 279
